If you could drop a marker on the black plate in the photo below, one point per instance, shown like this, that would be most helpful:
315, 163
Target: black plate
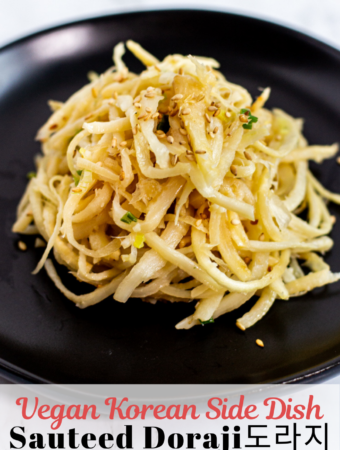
43, 336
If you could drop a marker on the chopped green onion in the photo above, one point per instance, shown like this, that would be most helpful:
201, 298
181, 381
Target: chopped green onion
77, 179
251, 119
128, 218
31, 175
164, 124
205, 322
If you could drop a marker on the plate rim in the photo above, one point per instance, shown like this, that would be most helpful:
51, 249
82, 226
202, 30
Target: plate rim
318, 373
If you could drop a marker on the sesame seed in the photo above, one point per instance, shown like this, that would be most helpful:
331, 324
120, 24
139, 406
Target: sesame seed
174, 112
94, 92
76, 190
150, 95
159, 132
189, 152
259, 343
123, 144
235, 222
138, 105
247, 155
115, 95
228, 114
155, 116
189, 138
147, 117
122, 175
182, 142
170, 139
269, 268
142, 116
262, 237
137, 99
170, 109
211, 134
174, 159
243, 118
148, 110
333, 220
22, 246
212, 108
254, 222
233, 170
200, 152
247, 260
150, 89
190, 157
54, 126
215, 130
216, 113
200, 98
186, 111
114, 142
208, 118
183, 132
176, 97
199, 222
240, 326
161, 135
119, 77
157, 68
180, 71
134, 130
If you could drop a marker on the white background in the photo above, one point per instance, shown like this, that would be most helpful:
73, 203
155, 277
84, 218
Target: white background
327, 397
320, 19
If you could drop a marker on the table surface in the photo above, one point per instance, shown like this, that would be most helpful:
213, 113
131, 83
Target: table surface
318, 19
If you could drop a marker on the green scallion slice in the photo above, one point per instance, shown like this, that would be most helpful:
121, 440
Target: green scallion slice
128, 218
205, 322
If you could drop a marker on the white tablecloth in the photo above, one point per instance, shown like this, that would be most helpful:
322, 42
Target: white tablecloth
320, 19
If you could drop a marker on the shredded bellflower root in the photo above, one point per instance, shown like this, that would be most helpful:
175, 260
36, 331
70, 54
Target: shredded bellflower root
174, 185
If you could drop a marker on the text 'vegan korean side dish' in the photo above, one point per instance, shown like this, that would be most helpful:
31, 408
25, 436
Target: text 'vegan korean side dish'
174, 185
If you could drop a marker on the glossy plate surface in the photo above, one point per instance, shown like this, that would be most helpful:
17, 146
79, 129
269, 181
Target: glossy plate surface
43, 336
